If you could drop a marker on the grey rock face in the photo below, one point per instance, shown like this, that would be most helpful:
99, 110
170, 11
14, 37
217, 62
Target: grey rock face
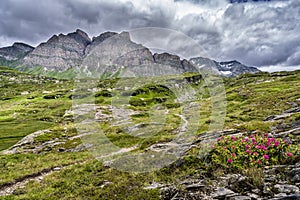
116, 52
99, 39
294, 175
59, 52
240, 198
288, 189
221, 193
289, 197
23, 47
15, 52
174, 61
168, 59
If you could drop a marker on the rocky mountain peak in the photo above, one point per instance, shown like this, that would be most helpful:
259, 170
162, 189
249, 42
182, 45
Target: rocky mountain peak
83, 34
59, 52
124, 35
15, 52
102, 37
23, 46
80, 37
118, 49
227, 68
167, 59
54, 38
99, 39
234, 68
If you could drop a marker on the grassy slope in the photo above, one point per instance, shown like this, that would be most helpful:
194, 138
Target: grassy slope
250, 98
23, 109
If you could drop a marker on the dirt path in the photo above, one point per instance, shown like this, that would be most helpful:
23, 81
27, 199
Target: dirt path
179, 146
183, 128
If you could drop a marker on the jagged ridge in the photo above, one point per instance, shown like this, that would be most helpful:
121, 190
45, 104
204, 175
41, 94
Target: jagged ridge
62, 52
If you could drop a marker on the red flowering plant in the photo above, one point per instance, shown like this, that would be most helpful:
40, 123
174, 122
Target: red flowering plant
248, 150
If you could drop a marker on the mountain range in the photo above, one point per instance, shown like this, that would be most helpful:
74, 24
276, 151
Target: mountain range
63, 52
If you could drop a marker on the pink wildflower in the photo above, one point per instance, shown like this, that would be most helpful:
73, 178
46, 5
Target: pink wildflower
248, 151
289, 154
266, 157
229, 160
263, 147
259, 162
266, 134
247, 146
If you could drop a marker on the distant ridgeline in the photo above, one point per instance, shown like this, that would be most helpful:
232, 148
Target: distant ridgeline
61, 55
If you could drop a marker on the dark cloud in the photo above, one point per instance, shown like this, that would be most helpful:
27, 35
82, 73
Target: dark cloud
33, 21
258, 34
262, 35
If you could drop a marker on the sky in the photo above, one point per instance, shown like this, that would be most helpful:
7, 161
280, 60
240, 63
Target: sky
264, 34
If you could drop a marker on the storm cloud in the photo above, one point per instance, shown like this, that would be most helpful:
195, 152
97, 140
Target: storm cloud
262, 34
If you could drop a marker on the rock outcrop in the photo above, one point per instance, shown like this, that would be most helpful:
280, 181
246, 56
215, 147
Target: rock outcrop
59, 52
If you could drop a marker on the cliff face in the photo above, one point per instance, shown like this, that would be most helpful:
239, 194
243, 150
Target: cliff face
99, 39
174, 61
59, 52
120, 50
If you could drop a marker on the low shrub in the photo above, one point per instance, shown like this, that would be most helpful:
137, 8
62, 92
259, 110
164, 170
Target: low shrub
254, 150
